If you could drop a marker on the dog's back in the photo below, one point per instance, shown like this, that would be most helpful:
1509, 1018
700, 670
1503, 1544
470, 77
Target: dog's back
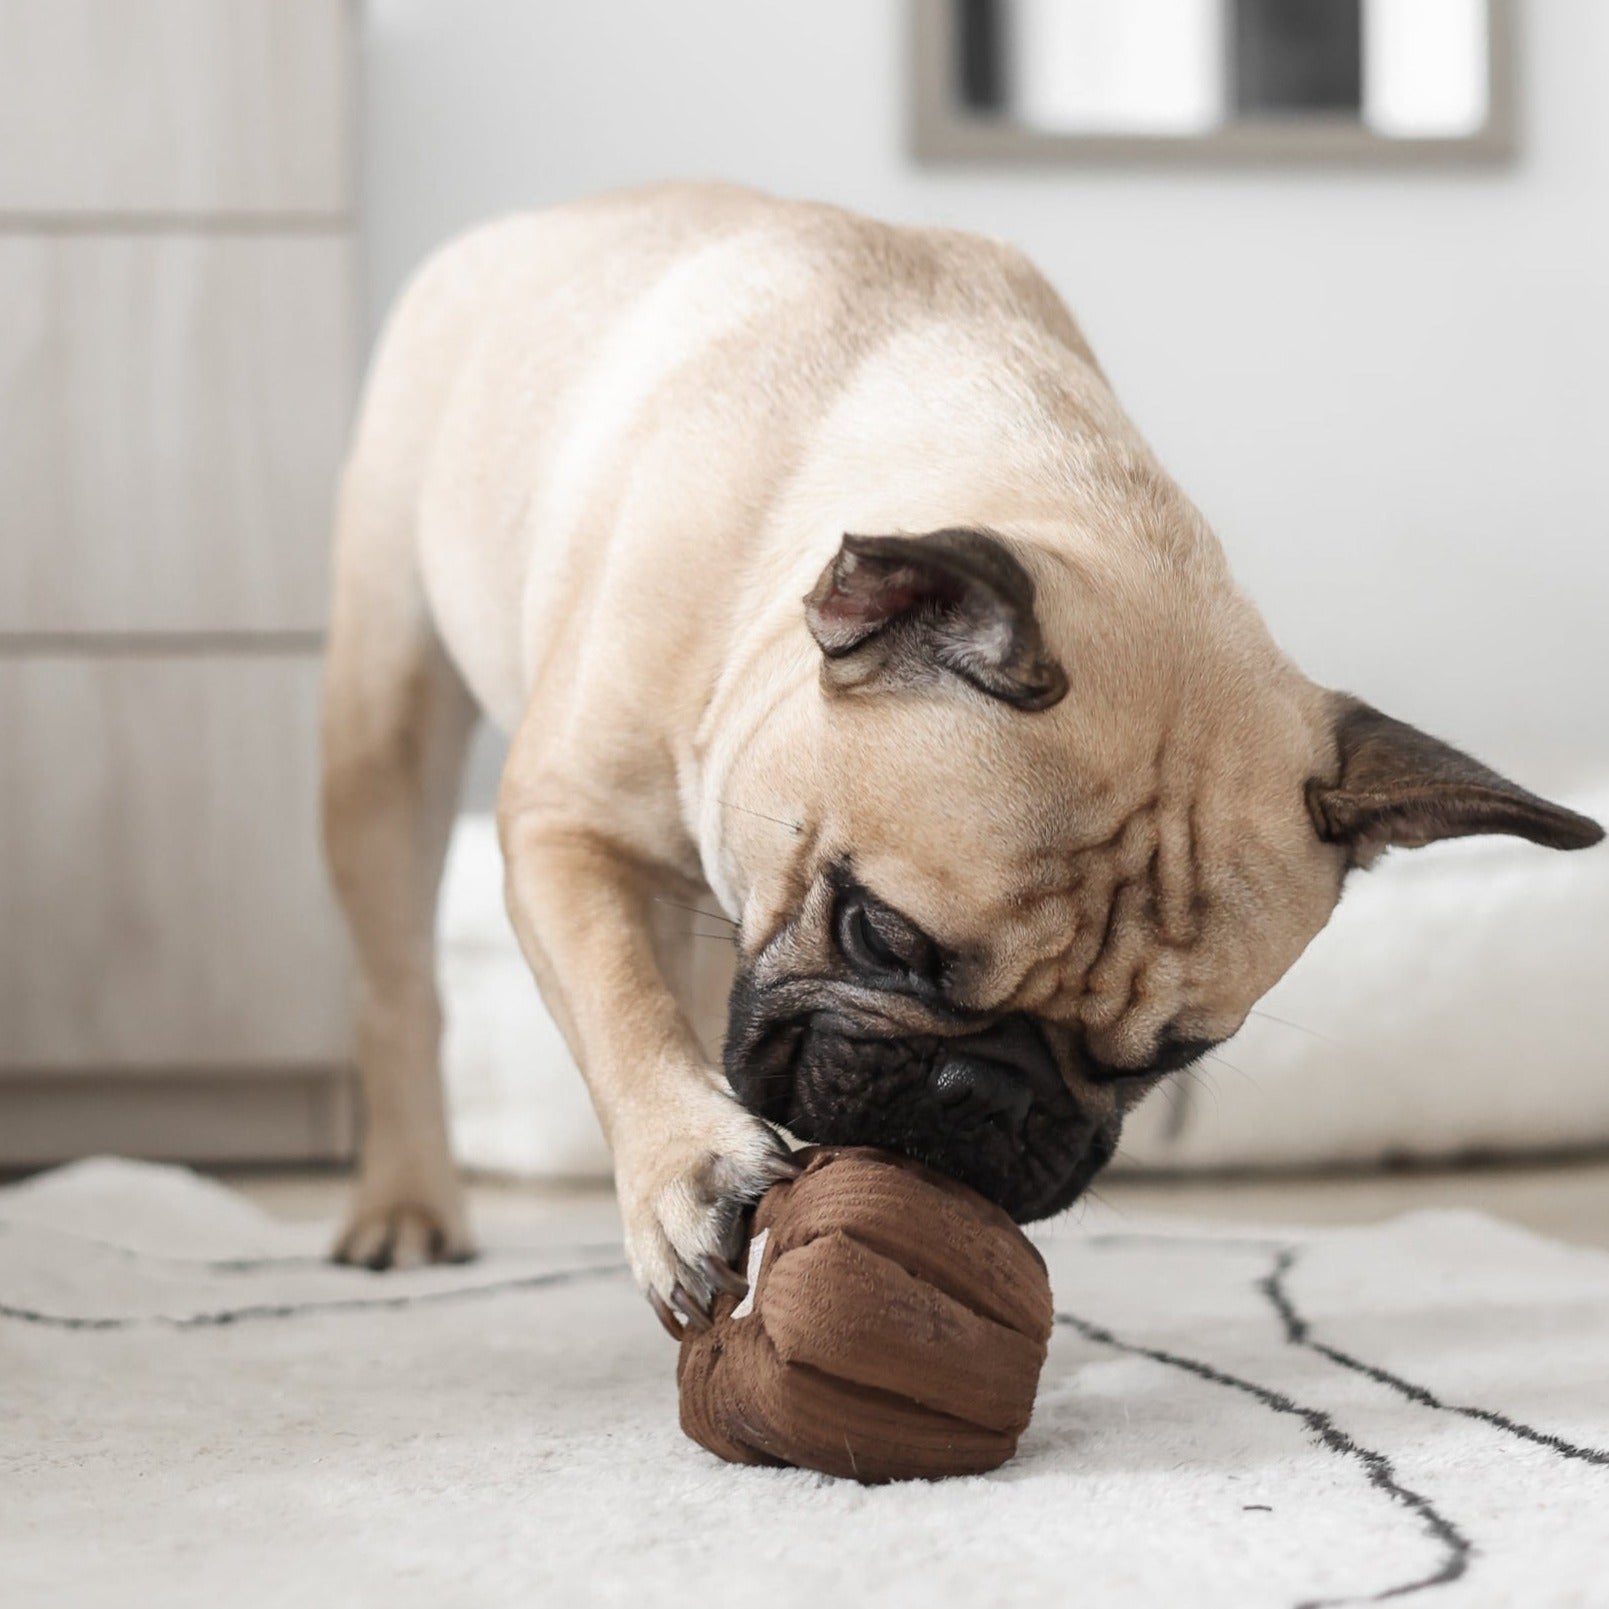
777, 535
546, 373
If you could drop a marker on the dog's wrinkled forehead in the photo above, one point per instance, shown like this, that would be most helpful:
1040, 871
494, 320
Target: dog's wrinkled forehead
1110, 804
1101, 872
1183, 905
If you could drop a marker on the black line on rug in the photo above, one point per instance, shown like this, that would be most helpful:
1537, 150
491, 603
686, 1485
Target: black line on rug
210, 1265
277, 1310
1456, 1547
265, 1260
1300, 1333
1107, 1239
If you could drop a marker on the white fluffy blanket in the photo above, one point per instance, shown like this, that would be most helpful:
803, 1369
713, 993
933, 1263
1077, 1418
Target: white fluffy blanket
195, 1411
1458, 1003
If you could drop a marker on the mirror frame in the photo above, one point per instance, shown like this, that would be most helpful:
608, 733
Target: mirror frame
942, 131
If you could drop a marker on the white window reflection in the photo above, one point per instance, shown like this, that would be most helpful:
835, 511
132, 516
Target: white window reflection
1117, 66
1425, 67
1415, 69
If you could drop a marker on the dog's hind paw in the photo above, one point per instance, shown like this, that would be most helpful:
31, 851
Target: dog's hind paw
403, 1234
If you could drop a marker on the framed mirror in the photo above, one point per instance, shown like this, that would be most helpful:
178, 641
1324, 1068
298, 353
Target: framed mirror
1249, 81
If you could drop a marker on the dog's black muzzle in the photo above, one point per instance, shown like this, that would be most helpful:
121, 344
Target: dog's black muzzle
991, 1109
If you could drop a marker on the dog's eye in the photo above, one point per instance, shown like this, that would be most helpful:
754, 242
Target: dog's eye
881, 942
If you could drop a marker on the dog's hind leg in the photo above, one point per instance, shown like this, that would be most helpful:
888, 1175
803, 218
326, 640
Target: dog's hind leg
397, 725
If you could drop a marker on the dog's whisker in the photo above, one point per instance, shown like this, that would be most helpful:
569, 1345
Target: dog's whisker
764, 1081
1198, 1079
1219, 1060
795, 827
729, 937
1301, 1028
1180, 1094
697, 910
1222, 1061
1370, 1058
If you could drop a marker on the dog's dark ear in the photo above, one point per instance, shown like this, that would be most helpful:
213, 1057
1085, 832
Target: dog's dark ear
898, 609
1399, 787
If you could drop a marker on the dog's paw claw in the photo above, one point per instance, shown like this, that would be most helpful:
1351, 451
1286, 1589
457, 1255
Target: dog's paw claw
672, 1325
723, 1276
696, 1318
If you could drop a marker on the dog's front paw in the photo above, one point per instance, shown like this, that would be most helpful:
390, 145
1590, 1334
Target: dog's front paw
404, 1220
683, 1192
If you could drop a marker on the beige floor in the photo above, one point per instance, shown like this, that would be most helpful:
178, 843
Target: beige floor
1569, 1201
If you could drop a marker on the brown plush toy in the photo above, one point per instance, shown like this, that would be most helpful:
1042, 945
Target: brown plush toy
895, 1330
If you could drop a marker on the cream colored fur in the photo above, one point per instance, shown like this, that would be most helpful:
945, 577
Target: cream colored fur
605, 451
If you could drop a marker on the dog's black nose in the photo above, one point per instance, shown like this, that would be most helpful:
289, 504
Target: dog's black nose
972, 1090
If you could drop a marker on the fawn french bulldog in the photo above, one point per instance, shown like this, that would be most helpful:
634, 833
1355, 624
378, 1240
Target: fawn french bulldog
813, 568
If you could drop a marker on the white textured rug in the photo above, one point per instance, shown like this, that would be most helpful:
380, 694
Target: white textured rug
195, 1411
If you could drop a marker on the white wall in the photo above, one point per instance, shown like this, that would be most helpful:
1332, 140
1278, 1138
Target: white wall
1389, 391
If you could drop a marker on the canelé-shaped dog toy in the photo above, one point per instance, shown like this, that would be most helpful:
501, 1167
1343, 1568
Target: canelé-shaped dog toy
895, 1328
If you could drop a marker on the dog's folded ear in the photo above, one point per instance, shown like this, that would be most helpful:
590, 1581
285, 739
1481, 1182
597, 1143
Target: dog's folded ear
1399, 787
901, 610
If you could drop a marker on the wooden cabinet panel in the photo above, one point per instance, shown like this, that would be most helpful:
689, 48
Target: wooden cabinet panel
163, 897
175, 106
242, 1114
175, 408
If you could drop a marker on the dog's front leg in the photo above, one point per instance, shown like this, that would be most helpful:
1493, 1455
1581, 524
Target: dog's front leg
688, 1158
